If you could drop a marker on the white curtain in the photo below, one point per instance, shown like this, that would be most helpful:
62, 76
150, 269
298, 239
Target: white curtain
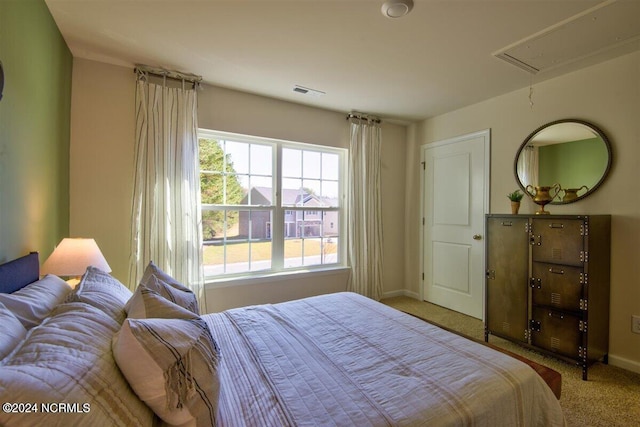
528, 166
166, 216
364, 213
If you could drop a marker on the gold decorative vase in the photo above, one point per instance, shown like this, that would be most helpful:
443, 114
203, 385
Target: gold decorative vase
572, 193
542, 196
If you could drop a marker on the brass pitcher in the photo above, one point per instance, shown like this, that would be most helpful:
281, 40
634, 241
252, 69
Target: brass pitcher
542, 196
572, 193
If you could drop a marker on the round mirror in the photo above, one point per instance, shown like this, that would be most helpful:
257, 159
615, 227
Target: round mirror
572, 153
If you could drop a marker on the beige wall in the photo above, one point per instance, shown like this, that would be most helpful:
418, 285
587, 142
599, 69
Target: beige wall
102, 129
102, 132
608, 95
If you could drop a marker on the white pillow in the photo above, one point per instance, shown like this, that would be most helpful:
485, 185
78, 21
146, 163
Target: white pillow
11, 332
31, 304
171, 364
102, 291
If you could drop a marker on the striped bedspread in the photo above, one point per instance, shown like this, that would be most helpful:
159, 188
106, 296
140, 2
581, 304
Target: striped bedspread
345, 360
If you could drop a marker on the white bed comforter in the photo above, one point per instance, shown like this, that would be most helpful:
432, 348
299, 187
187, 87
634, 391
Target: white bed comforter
345, 360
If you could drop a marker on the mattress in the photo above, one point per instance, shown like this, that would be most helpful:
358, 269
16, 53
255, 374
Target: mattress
345, 360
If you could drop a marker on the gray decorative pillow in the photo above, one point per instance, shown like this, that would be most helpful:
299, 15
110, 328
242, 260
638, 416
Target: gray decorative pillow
11, 332
147, 303
171, 363
185, 299
178, 293
102, 291
31, 304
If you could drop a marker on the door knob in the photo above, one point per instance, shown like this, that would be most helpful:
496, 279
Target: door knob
477, 237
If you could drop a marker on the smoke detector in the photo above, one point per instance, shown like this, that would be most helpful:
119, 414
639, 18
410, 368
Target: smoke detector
396, 8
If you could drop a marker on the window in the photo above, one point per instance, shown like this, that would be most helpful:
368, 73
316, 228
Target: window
269, 205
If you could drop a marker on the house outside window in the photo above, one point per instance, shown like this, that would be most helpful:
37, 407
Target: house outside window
270, 205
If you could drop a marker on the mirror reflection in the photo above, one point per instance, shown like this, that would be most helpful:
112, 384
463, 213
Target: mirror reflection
574, 154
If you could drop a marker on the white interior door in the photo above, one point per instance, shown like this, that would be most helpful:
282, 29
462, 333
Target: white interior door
455, 199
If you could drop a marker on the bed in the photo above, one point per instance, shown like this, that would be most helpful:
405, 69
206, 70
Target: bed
338, 359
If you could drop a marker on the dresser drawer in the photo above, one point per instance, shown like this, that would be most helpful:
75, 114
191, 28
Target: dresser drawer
556, 331
558, 286
558, 241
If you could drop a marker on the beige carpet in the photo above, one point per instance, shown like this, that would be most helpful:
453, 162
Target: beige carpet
611, 396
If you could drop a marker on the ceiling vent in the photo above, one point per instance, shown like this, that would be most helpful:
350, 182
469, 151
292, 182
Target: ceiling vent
307, 91
606, 26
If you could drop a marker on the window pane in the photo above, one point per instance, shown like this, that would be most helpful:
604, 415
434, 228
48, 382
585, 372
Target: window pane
211, 155
211, 188
293, 253
330, 193
262, 190
311, 187
291, 163
237, 157
330, 250
292, 193
261, 255
261, 195
330, 224
219, 225
330, 166
311, 164
312, 252
261, 160
235, 191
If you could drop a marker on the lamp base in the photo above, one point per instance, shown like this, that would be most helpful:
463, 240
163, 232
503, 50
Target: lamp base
73, 282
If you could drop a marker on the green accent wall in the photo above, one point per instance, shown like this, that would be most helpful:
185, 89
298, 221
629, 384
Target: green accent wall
34, 130
573, 164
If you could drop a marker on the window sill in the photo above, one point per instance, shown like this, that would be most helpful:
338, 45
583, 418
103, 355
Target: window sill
272, 277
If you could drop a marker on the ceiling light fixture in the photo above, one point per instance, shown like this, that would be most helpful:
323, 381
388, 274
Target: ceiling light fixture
396, 8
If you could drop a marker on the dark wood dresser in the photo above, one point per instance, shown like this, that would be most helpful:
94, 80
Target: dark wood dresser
547, 284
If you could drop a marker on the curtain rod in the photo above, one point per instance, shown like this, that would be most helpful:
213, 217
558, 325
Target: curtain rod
366, 117
161, 72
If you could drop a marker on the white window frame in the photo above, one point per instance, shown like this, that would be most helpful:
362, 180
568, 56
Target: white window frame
278, 222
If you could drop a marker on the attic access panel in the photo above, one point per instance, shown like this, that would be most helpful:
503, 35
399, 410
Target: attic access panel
606, 26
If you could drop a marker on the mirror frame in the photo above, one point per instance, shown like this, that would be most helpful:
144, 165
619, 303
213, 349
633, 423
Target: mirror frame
591, 126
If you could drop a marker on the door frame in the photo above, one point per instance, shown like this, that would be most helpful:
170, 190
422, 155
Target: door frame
486, 135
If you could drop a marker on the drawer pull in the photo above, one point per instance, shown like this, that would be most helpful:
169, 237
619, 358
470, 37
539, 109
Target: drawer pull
556, 225
556, 315
556, 270
507, 223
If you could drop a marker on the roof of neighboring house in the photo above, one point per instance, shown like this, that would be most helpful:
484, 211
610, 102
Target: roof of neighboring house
291, 197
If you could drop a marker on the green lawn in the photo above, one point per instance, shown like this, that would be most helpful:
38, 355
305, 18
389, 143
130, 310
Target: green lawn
238, 252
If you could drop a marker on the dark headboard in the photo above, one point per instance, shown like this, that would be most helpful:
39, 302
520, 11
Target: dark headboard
18, 273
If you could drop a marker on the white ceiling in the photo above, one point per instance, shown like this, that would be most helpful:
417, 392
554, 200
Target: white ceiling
434, 60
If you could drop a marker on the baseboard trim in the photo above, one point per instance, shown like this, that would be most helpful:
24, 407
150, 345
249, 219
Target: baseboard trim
621, 362
401, 293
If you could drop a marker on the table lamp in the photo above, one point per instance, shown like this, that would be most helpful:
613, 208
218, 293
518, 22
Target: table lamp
71, 258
